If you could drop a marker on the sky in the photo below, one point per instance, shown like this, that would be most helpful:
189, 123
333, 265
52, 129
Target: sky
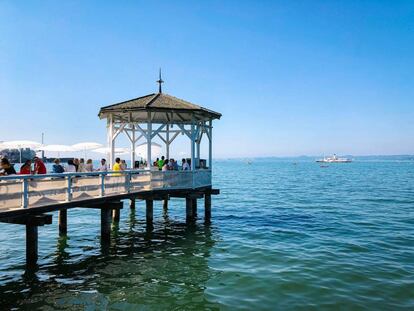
290, 77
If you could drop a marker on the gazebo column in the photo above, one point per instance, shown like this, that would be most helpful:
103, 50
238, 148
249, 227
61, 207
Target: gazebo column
193, 138
210, 144
167, 143
198, 146
149, 133
111, 140
133, 146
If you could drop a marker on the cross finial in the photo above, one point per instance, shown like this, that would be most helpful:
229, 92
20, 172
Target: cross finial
160, 82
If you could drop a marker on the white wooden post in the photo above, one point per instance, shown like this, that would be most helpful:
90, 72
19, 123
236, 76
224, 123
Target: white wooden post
111, 142
192, 146
210, 144
198, 145
167, 144
133, 146
149, 133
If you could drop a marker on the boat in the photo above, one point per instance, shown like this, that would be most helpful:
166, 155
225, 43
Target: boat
334, 159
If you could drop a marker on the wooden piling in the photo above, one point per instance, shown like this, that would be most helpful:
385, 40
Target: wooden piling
165, 205
31, 245
194, 207
105, 224
116, 215
132, 203
207, 207
63, 222
189, 209
150, 211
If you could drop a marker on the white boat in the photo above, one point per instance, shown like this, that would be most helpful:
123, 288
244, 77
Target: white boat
334, 159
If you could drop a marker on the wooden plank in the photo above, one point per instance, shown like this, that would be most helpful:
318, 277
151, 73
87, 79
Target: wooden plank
33, 220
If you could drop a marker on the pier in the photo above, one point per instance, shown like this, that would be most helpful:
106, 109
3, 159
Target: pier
26, 199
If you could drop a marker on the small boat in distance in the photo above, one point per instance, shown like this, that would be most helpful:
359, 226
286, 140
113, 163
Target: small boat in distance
334, 159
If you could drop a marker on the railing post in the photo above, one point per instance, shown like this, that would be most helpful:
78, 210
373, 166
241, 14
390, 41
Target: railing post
25, 193
127, 181
102, 184
69, 190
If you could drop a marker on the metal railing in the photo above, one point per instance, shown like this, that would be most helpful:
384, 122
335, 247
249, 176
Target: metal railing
25, 191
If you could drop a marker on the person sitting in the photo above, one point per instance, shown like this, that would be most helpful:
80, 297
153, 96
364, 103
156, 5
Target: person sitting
6, 167
71, 168
26, 168
103, 167
39, 166
76, 163
175, 165
123, 165
156, 162
57, 168
171, 165
81, 166
185, 166
89, 166
165, 166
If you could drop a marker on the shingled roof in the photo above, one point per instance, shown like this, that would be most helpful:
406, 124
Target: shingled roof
159, 103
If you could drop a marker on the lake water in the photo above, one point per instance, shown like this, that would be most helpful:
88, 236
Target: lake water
283, 236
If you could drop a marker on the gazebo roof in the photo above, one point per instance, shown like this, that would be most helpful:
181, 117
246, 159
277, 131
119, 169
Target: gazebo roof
166, 108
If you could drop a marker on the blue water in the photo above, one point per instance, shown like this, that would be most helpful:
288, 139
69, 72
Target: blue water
283, 236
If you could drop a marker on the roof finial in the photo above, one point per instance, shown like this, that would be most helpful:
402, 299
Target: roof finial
160, 81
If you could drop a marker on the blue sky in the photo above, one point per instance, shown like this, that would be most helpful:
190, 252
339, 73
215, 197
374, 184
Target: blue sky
290, 77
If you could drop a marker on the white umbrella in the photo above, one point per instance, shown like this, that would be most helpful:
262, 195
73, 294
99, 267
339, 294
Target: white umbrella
57, 148
108, 150
20, 144
86, 146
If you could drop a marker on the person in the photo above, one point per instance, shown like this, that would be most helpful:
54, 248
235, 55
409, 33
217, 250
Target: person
89, 166
76, 163
156, 162
26, 168
71, 168
117, 165
81, 166
123, 165
161, 163
185, 165
57, 168
165, 166
171, 165
103, 167
175, 166
6, 167
39, 166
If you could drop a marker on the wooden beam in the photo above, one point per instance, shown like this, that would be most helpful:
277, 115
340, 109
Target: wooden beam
31, 245
31, 220
207, 208
106, 225
189, 209
63, 222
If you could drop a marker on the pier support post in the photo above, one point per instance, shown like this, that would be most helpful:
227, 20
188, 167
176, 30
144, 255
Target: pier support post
105, 225
132, 203
150, 211
31, 245
194, 207
116, 215
165, 205
207, 207
63, 222
189, 209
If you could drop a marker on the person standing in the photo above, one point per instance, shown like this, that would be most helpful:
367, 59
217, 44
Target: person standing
81, 167
89, 166
161, 163
185, 165
103, 167
71, 168
39, 166
76, 163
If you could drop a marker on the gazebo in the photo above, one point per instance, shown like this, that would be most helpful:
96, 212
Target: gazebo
159, 115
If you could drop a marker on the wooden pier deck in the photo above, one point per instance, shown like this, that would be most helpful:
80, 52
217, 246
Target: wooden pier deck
25, 199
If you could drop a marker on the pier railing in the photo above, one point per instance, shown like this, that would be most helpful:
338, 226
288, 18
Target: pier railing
26, 191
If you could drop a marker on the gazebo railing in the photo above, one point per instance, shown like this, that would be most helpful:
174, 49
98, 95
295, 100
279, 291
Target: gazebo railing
25, 191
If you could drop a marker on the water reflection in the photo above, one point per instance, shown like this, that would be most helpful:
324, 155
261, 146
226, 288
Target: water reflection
165, 267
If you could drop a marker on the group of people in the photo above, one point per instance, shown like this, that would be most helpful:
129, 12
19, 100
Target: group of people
79, 165
73, 166
6, 168
170, 165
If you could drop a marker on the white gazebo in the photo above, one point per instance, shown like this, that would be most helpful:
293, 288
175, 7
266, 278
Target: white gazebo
159, 115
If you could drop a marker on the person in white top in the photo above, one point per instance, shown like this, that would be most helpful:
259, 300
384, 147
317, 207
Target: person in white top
103, 167
89, 166
70, 168
185, 165
82, 167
